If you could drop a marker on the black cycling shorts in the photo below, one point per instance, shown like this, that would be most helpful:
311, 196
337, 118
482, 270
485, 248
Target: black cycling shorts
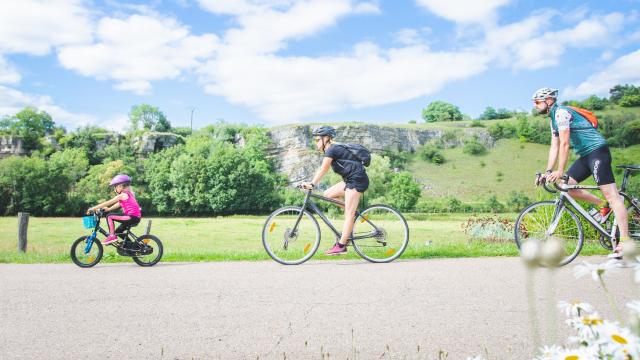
358, 181
596, 163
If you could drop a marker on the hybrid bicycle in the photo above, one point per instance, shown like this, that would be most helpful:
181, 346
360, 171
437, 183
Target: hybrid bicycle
562, 218
291, 235
87, 251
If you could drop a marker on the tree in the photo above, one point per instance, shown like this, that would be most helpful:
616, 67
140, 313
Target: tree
31, 125
404, 191
149, 117
630, 100
619, 91
489, 114
595, 103
441, 111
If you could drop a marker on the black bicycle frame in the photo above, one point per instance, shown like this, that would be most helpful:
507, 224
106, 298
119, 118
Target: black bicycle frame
310, 205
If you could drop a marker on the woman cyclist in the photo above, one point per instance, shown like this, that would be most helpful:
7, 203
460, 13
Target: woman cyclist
354, 180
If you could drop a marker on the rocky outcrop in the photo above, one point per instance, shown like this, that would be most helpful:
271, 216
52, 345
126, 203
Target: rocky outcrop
11, 145
152, 142
297, 157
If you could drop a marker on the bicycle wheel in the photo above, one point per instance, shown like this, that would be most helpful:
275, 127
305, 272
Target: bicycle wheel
287, 245
84, 257
634, 223
151, 248
389, 234
543, 220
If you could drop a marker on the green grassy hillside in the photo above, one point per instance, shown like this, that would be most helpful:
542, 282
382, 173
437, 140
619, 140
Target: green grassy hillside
510, 165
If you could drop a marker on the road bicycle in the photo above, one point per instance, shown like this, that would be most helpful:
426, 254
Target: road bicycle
561, 218
87, 251
291, 235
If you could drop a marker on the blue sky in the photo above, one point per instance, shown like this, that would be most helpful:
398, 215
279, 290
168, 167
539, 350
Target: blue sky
274, 62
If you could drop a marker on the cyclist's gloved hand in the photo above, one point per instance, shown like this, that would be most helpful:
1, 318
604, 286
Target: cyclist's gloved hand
554, 176
306, 185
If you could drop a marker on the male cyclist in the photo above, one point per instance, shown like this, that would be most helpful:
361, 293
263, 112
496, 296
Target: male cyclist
568, 127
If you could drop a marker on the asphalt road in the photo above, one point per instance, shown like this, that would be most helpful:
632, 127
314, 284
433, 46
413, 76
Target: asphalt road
249, 310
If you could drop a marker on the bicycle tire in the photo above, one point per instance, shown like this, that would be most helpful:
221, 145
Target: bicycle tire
276, 236
159, 249
568, 229
393, 240
93, 259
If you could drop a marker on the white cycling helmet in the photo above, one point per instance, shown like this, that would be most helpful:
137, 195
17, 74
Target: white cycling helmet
545, 93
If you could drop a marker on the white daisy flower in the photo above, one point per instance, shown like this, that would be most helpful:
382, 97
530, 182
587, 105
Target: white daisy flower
574, 308
597, 271
549, 352
618, 341
634, 306
581, 353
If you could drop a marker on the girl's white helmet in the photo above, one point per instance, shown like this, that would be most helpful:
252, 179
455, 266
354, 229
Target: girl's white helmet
545, 93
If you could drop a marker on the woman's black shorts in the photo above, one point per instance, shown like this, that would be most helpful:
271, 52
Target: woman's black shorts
358, 181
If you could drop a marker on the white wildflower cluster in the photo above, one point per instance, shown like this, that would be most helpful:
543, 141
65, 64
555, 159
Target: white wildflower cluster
596, 338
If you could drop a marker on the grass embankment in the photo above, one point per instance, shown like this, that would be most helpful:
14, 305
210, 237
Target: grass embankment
508, 166
238, 238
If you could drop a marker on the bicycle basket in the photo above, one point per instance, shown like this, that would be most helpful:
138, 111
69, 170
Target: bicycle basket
89, 222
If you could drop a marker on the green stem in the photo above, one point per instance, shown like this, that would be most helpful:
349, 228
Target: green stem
612, 303
532, 311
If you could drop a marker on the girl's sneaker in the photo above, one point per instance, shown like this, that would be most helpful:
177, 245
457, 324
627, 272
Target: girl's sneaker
336, 250
109, 239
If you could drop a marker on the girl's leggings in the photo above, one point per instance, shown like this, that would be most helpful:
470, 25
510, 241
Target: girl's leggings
124, 220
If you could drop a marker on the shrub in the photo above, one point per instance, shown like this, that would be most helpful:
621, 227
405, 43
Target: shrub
473, 147
494, 205
431, 153
517, 201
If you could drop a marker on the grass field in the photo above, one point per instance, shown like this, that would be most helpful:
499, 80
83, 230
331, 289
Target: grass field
238, 238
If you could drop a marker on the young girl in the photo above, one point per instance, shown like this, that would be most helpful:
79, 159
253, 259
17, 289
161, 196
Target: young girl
355, 181
124, 199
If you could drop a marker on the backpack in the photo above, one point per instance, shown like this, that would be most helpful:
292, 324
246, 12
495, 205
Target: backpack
586, 114
359, 152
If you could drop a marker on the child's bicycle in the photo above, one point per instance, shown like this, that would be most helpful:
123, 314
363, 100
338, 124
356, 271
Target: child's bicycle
86, 251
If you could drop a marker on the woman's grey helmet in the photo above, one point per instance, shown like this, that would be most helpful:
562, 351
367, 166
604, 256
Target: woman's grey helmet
325, 131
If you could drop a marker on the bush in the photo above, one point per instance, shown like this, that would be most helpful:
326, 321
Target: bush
630, 100
517, 201
473, 147
477, 123
494, 205
431, 154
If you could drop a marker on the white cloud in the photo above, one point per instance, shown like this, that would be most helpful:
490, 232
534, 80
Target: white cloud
464, 11
8, 74
410, 37
625, 70
529, 45
35, 26
137, 50
285, 89
12, 101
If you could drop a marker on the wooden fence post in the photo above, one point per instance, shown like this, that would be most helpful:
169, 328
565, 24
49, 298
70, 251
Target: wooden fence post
23, 224
148, 227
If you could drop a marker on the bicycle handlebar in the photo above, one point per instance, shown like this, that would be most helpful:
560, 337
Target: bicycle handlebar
540, 180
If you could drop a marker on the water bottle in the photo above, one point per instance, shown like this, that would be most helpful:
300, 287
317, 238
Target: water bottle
595, 213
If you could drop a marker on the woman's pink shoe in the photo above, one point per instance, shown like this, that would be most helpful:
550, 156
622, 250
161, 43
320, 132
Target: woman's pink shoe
336, 250
109, 239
